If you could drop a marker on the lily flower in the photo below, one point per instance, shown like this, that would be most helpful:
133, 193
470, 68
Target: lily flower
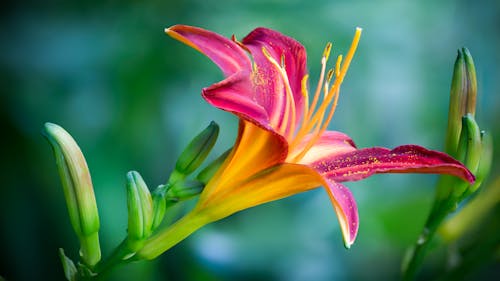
283, 145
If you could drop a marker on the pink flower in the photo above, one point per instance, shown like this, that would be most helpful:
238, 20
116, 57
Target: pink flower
283, 145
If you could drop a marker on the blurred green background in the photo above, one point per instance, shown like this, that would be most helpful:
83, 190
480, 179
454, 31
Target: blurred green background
130, 96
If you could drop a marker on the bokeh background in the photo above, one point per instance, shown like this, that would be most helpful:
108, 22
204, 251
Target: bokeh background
130, 96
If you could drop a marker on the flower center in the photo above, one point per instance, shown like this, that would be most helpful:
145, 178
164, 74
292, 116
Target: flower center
313, 122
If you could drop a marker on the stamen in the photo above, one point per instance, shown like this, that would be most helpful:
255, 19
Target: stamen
290, 101
308, 111
317, 118
343, 71
329, 77
305, 94
324, 59
328, 49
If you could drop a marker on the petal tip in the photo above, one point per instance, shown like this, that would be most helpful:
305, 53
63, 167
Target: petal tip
470, 177
172, 29
347, 244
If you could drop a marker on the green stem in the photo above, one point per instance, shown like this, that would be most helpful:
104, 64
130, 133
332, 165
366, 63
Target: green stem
118, 256
90, 250
170, 236
415, 258
444, 203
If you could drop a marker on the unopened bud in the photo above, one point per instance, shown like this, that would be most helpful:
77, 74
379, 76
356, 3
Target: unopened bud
197, 150
140, 210
159, 206
462, 98
457, 105
469, 152
78, 191
485, 162
471, 82
471, 137
184, 190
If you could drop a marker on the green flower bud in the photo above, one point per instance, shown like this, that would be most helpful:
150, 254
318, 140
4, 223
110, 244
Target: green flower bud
159, 206
486, 159
140, 210
196, 151
184, 190
78, 191
469, 152
462, 97
471, 82
208, 172
469, 148
457, 105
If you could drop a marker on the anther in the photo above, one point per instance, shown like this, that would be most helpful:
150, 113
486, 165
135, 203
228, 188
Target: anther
326, 52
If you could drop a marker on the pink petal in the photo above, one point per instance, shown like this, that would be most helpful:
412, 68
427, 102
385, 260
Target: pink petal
359, 164
232, 95
269, 86
329, 145
346, 210
228, 55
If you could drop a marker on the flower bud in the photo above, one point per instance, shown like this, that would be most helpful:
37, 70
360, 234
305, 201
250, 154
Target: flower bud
197, 150
462, 97
159, 206
78, 191
209, 171
184, 190
485, 162
457, 105
470, 71
140, 210
468, 151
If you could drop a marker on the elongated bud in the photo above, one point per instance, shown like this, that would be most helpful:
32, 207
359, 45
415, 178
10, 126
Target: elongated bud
462, 97
471, 82
209, 171
184, 190
457, 105
486, 159
78, 191
469, 152
140, 210
159, 206
474, 146
197, 150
